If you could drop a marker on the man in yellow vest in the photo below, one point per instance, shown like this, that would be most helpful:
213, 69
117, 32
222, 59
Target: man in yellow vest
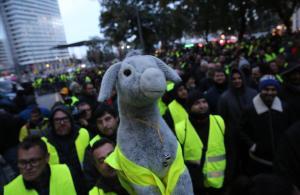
37, 176
66, 143
37, 125
107, 122
176, 111
201, 136
107, 181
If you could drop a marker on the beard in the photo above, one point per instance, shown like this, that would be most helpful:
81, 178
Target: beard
199, 116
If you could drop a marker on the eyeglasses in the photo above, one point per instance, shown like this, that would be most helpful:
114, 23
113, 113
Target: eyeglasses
32, 162
61, 120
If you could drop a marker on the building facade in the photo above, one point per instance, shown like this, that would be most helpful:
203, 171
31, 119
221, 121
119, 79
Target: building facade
296, 21
32, 29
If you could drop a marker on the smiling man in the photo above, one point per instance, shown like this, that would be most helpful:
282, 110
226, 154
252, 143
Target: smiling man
262, 125
35, 172
107, 181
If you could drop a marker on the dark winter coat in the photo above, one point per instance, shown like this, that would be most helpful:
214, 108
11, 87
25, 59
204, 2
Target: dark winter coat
264, 127
288, 155
231, 105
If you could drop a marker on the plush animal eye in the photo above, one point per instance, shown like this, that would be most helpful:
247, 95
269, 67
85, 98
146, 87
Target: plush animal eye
127, 72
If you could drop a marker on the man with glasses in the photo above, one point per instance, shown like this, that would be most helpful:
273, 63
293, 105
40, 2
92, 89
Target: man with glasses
66, 144
35, 172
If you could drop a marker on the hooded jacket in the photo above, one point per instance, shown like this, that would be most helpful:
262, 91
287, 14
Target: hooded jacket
66, 149
231, 105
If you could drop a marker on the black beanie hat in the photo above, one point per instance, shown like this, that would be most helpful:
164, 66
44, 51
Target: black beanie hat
194, 96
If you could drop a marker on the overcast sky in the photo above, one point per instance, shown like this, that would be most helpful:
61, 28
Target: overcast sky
81, 21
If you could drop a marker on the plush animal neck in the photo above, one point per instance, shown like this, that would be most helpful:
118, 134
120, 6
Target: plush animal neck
149, 112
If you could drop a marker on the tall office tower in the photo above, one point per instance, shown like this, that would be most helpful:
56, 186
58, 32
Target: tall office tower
32, 29
6, 62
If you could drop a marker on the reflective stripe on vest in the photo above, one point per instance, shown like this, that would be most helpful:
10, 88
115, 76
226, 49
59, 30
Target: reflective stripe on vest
131, 173
61, 183
81, 143
94, 140
215, 159
215, 163
177, 111
98, 191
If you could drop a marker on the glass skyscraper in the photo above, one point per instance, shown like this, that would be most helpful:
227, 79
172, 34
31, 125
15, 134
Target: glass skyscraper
32, 28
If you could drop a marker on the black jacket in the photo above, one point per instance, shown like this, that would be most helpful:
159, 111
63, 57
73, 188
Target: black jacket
231, 105
288, 155
66, 149
263, 127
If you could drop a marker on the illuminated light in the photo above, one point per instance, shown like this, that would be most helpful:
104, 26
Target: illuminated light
222, 36
222, 42
128, 46
83, 65
200, 45
47, 65
229, 28
122, 47
189, 45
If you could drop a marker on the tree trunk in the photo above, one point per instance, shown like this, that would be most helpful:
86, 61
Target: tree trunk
242, 26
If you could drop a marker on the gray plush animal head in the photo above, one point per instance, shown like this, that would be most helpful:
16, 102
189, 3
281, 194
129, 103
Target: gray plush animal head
139, 79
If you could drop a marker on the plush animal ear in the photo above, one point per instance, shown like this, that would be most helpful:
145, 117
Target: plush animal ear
171, 74
108, 82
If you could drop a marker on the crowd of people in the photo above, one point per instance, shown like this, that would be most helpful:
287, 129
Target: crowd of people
236, 115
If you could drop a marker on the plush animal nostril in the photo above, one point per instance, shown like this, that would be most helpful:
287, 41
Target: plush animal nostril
127, 72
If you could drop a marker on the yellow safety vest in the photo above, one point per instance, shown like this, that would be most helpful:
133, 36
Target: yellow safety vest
81, 142
98, 191
131, 173
270, 57
177, 111
41, 130
215, 159
162, 107
61, 183
94, 140
74, 100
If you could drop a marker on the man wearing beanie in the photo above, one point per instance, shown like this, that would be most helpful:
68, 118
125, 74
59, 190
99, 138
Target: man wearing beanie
201, 136
66, 144
261, 126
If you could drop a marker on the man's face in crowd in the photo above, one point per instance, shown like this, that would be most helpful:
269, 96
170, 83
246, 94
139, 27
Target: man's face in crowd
294, 77
237, 81
35, 118
87, 109
182, 92
62, 123
200, 106
99, 156
219, 77
32, 162
89, 89
274, 68
268, 94
255, 74
107, 124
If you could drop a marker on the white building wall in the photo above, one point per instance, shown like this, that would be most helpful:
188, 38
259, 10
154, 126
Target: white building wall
34, 28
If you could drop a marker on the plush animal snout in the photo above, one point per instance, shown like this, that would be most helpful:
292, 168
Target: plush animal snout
153, 83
